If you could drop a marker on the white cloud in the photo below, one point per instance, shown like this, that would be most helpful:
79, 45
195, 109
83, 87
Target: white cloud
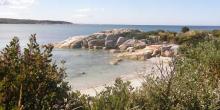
80, 16
16, 3
87, 10
84, 10
8, 14
85, 14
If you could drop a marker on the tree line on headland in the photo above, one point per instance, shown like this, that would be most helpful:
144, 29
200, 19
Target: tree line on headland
29, 21
30, 80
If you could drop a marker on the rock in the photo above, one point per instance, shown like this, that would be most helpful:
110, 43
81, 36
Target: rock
83, 73
156, 52
101, 36
77, 44
174, 49
137, 55
112, 37
115, 61
130, 49
167, 53
155, 49
109, 38
73, 42
85, 43
147, 55
109, 44
97, 47
137, 44
104, 48
126, 44
165, 48
114, 51
96, 42
120, 41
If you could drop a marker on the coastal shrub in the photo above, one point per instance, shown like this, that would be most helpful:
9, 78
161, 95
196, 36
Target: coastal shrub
192, 37
193, 83
29, 78
216, 33
190, 82
117, 97
134, 34
185, 29
167, 36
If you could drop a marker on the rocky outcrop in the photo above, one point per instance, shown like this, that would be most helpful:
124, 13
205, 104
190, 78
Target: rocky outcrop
117, 42
150, 51
137, 55
74, 42
120, 41
109, 44
109, 39
96, 42
137, 44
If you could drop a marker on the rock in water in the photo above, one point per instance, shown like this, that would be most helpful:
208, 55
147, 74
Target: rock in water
116, 61
96, 42
73, 42
120, 41
109, 44
114, 51
137, 44
130, 49
109, 39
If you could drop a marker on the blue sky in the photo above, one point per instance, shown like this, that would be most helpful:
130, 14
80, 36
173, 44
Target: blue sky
147, 12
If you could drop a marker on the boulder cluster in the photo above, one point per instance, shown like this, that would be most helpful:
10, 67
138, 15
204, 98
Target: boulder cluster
117, 41
150, 51
109, 39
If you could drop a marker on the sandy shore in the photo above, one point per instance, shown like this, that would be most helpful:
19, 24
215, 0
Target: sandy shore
136, 79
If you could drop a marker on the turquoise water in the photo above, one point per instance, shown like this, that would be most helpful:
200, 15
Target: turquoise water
94, 63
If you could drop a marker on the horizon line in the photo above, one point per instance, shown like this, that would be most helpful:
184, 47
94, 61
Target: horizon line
74, 23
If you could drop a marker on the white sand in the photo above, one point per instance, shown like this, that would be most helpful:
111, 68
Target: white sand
136, 79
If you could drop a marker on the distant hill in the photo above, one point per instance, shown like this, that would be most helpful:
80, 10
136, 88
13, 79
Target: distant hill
29, 21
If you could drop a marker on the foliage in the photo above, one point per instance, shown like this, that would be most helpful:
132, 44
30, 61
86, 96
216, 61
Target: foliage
216, 33
190, 82
185, 29
117, 97
29, 79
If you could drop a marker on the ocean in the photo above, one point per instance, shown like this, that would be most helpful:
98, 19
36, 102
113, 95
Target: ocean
94, 63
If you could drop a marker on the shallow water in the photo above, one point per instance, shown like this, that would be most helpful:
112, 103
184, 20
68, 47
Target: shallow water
95, 64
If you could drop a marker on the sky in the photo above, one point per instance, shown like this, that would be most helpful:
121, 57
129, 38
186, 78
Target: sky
135, 12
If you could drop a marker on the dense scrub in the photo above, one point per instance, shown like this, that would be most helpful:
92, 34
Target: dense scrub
190, 82
31, 81
186, 36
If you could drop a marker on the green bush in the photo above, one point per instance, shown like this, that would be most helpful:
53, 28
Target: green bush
185, 29
192, 84
29, 78
216, 33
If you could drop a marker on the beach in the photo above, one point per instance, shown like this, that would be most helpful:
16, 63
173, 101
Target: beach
136, 79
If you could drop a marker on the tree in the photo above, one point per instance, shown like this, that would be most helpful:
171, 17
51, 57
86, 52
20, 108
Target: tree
29, 78
185, 29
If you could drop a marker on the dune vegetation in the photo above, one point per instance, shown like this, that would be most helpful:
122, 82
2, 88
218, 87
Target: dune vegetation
30, 80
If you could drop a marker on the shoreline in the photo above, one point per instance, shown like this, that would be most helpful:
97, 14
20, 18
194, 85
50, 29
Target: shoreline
135, 79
